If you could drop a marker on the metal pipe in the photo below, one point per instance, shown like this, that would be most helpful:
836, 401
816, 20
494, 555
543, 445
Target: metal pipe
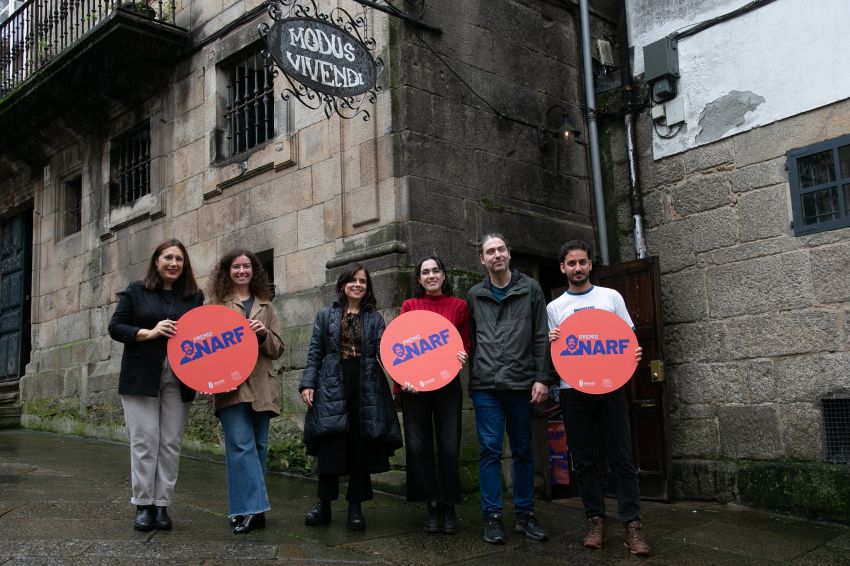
635, 197
590, 103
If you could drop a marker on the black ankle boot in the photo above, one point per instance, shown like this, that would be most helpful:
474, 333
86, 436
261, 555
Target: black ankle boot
356, 521
235, 520
432, 522
161, 520
319, 515
144, 518
448, 519
250, 522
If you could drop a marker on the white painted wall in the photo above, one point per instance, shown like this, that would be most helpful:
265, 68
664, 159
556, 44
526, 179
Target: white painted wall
791, 53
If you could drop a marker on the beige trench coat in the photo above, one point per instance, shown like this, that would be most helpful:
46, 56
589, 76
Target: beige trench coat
261, 387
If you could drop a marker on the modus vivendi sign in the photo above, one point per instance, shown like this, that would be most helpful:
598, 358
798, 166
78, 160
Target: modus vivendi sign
322, 56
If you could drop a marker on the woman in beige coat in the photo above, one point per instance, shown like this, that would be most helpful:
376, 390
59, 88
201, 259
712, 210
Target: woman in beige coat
239, 282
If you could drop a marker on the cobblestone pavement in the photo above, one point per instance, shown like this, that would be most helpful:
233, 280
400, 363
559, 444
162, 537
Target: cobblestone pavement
64, 500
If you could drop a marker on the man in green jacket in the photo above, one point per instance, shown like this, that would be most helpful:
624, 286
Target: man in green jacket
507, 374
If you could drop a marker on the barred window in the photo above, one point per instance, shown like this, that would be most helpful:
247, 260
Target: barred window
72, 199
819, 176
836, 429
250, 109
130, 164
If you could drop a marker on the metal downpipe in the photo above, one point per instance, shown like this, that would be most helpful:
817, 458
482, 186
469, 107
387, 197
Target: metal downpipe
593, 135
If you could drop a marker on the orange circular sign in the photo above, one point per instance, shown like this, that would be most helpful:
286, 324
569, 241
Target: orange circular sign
596, 351
214, 349
419, 348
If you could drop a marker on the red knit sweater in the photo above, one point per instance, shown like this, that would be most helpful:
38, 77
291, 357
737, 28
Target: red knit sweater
452, 308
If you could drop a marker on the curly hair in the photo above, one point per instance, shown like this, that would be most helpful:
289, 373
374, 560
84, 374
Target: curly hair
221, 284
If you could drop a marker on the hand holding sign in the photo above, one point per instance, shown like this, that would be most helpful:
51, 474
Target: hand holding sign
214, 349
420, 350
595, 352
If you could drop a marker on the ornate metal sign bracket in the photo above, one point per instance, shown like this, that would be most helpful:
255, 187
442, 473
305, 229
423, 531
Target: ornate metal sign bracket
325, 57
413, 15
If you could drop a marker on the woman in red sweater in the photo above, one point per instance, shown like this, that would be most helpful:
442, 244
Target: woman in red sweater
435, 413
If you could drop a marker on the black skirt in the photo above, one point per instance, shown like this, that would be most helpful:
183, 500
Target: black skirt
342, 452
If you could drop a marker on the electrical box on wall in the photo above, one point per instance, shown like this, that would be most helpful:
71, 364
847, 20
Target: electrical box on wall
660, 60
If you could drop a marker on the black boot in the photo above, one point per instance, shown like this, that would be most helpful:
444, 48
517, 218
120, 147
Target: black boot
432, 522
319, 515
235, 520
356, 521
250, 522
144, 518
448, 519
161, 520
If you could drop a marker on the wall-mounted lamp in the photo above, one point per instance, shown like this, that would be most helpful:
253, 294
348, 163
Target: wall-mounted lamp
556, 125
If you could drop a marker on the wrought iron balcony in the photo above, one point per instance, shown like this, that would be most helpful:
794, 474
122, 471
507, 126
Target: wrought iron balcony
67, 64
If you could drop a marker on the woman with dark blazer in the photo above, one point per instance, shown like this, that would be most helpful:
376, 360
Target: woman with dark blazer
239, 282
351, 423
156, 403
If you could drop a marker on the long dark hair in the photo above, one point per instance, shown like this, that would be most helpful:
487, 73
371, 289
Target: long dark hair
419, 290
185, 284
221, 284
347, 276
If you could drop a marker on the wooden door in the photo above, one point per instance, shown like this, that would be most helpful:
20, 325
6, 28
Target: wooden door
639, 282
15, 266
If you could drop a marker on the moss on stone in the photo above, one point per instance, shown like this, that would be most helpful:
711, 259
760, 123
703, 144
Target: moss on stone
812, 490
53, 408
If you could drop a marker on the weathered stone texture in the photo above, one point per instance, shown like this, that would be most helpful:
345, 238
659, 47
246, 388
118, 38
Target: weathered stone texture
694, 438
683, 296
809, 377
764, 213
831, 273
749, 431
800, 426
781, 333
750, 287
723, 383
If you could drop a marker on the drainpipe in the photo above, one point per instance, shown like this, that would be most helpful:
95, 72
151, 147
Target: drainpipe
590, 103
629, 106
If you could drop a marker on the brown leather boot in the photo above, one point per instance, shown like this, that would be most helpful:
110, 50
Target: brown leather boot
595, 532
635, 541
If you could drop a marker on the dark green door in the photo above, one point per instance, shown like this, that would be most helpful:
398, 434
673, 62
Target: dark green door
15, 267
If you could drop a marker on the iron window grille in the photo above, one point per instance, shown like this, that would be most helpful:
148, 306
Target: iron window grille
72, 200
131, 166
819, 176
836, 429
250, 110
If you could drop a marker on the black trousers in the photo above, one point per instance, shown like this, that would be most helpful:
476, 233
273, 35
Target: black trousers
590, 419
428, 416
348, 445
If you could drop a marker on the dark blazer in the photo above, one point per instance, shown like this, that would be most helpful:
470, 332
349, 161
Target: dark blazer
141, 364
329, 414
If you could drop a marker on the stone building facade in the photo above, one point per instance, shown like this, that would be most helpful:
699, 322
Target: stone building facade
757, 342
451, 151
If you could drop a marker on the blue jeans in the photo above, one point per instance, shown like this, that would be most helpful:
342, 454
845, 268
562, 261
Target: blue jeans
494, 410
246, 440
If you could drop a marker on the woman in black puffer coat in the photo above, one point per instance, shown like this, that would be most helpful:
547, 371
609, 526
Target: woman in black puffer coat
351, 423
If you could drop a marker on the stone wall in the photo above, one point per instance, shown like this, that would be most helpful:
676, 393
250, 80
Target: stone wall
434, 168
756, 319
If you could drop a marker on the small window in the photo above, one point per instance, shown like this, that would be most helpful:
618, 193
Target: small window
819, 176
266, 258
836, 429
249, 114
72, 199
130, 167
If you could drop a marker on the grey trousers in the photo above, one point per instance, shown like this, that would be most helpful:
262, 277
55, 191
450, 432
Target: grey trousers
156, 426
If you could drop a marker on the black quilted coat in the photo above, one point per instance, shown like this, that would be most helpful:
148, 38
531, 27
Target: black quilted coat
328, 415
